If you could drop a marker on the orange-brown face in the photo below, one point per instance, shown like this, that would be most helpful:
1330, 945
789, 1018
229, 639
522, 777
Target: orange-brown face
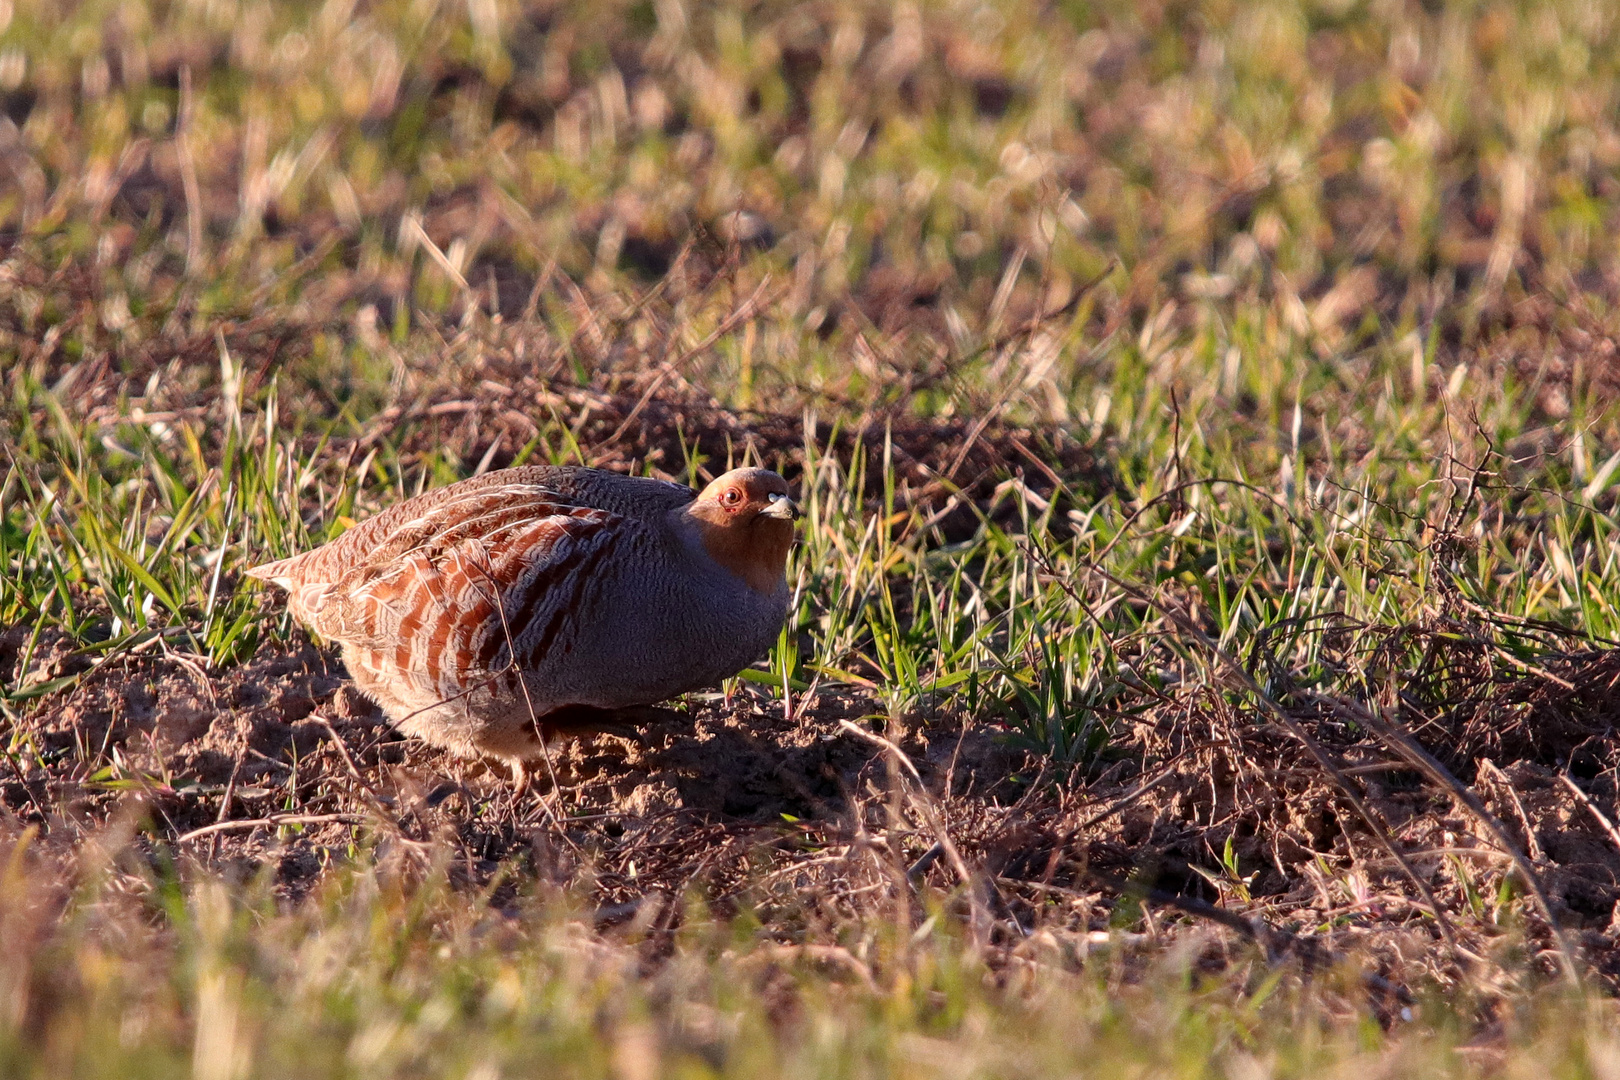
748, 519
745, 496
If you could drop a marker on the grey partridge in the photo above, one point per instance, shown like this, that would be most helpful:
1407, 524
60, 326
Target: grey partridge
486, 615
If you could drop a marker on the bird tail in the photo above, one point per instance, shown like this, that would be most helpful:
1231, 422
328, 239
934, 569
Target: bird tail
276, 573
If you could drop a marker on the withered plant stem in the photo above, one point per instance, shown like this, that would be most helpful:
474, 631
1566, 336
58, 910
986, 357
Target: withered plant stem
1317, 751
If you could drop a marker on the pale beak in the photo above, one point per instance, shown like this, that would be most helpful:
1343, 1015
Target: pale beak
781, 507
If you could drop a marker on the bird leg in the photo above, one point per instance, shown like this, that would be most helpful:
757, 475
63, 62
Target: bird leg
627, 723
575, 720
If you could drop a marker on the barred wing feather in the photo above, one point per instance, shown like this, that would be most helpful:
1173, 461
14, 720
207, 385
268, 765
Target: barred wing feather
456, 591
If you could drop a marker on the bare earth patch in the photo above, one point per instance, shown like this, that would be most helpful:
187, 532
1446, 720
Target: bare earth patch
278, 766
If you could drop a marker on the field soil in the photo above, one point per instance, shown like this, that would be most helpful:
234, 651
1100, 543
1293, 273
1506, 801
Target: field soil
810, 811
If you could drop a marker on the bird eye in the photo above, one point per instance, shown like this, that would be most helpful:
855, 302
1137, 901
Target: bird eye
730, 497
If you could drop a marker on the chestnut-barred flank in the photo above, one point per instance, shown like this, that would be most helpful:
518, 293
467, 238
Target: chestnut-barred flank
481, 614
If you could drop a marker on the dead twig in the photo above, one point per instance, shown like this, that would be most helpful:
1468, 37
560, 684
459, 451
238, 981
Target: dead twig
1406, 747
273, 821
1586, 801
343, 752
1530, 840
1315, 749
925, 804
947, 847
188, 175
1123, 801
1275, 943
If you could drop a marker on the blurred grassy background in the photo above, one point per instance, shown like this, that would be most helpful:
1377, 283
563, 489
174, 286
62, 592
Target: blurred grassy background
1350, 172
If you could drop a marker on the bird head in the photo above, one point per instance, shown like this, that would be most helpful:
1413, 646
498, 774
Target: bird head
745, 519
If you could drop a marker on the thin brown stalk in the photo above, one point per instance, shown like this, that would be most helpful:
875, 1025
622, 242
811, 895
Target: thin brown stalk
1530, 841
925, 805
188, 175
1406, 747
1316, 750
1586, 801
274, 820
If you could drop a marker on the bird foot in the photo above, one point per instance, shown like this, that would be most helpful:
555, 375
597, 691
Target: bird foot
648, 715
586, 720
522, 778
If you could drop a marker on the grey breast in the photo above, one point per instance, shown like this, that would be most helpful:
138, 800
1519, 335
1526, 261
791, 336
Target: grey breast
674, 622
